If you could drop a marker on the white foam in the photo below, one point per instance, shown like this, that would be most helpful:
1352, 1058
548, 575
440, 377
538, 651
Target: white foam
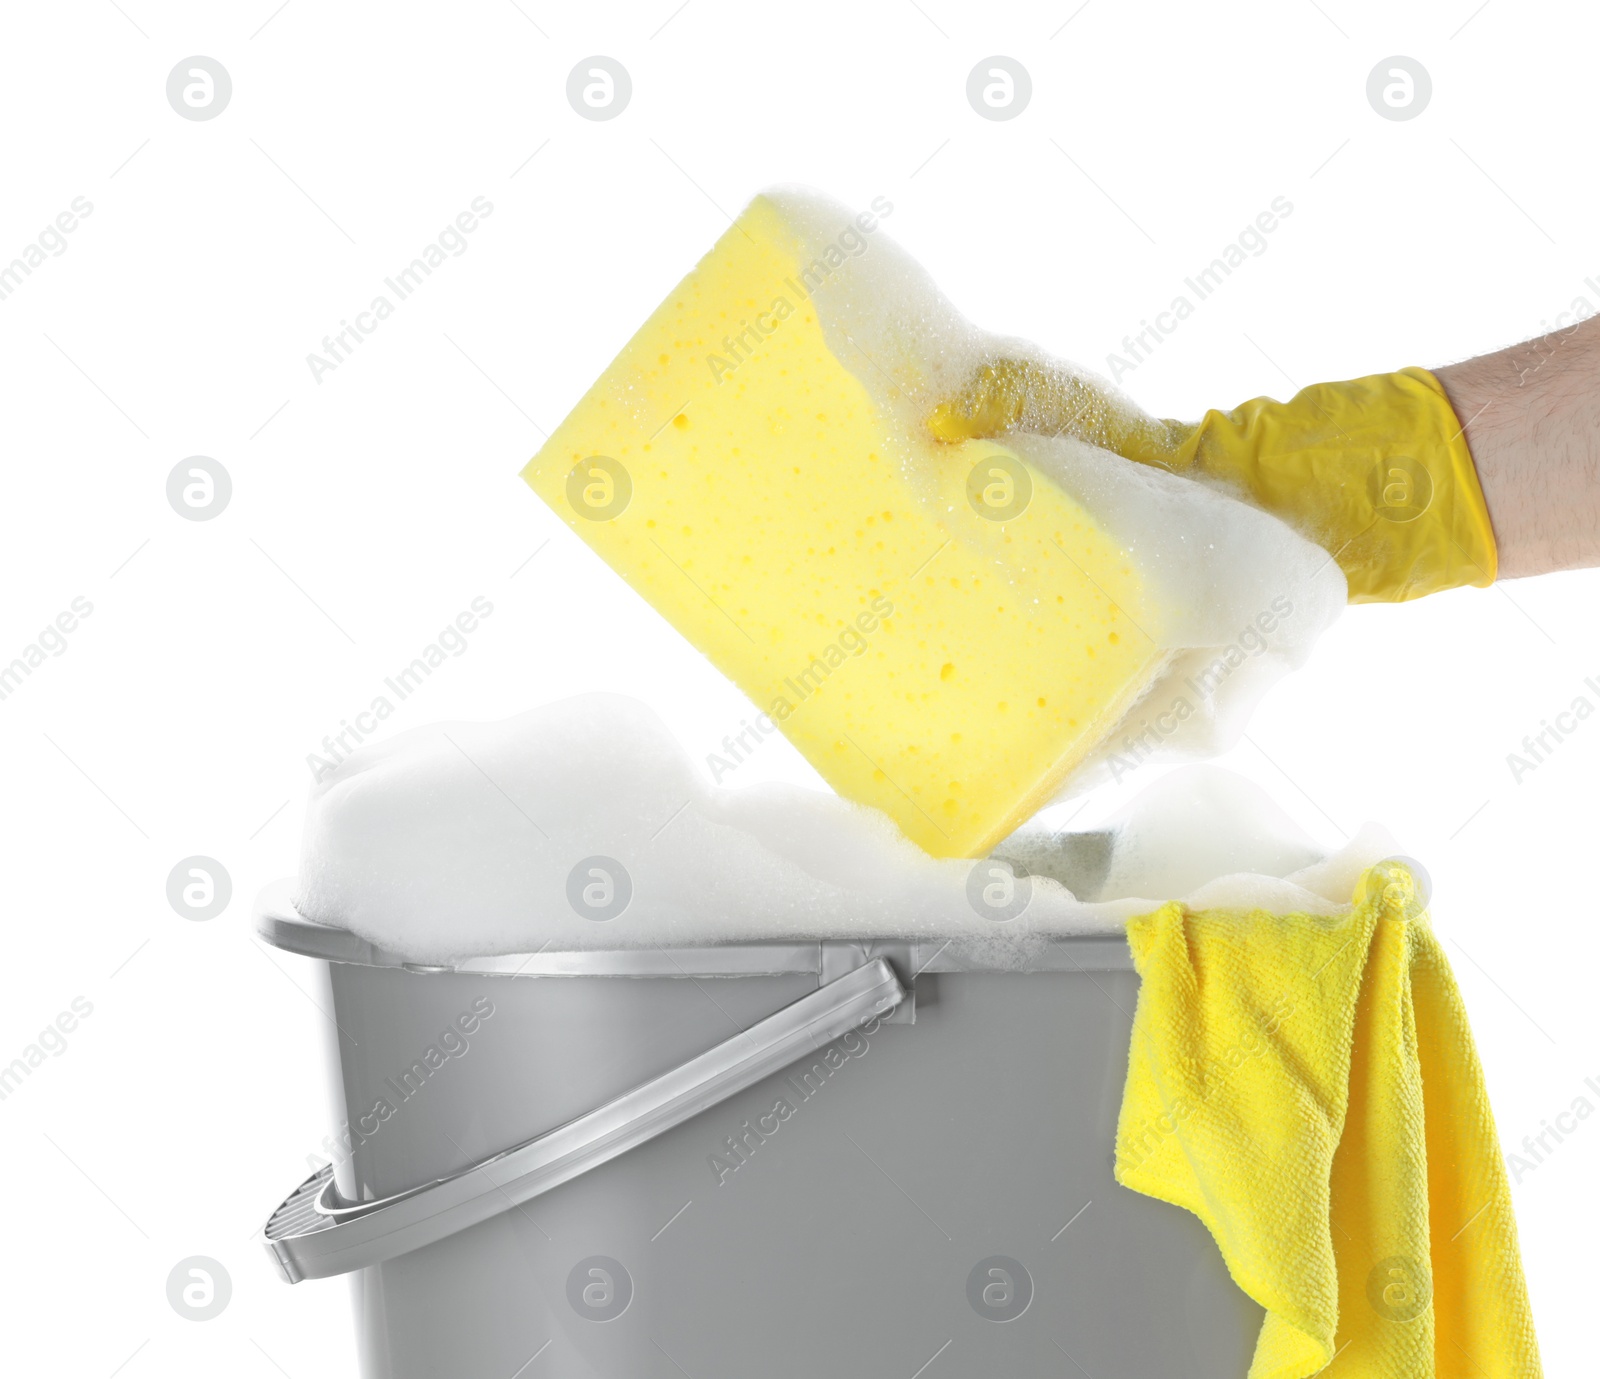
459, 839
1240, 596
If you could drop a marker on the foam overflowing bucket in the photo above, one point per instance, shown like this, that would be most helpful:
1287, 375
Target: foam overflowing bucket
635, 1075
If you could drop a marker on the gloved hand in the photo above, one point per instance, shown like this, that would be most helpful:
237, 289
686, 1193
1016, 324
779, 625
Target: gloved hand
1376, 470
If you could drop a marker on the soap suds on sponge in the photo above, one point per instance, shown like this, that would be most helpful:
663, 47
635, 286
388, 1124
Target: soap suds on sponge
467, 840
758, 463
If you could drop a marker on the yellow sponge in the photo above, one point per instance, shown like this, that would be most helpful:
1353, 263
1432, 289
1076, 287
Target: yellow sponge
939, 629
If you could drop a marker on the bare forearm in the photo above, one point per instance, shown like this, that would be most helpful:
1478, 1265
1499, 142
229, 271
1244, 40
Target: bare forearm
1532, 419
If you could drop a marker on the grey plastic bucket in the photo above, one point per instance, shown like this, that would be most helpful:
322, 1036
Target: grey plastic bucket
716, 1169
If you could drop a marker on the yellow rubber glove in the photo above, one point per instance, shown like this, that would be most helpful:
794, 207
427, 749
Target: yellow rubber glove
1376, 470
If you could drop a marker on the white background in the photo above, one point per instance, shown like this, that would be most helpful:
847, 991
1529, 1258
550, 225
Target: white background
369, 509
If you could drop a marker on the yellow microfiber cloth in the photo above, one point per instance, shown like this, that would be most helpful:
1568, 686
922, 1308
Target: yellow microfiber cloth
1307, 1085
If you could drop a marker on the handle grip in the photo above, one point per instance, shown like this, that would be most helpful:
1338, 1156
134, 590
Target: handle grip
316, 1234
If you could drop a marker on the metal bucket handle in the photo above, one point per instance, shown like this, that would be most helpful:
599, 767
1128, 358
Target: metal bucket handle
316, 1234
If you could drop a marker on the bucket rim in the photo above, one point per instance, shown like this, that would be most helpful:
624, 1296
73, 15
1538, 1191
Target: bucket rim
278, 922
